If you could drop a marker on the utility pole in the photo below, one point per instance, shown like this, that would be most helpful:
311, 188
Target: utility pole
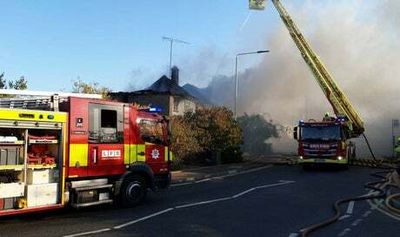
171, 41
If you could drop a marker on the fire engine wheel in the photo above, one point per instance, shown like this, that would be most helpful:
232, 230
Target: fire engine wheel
133, 191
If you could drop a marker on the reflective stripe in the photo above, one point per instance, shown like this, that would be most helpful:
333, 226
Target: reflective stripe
141, 149
171, 155
78, 155
129, 153
126, 154
166, 153
31, 115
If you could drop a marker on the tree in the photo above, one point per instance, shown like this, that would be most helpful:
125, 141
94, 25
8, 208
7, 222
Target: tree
256, 132
183, 143
20, 84
80, 86
205, 136
3, 83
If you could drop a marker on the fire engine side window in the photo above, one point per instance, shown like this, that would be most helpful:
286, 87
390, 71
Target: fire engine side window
108, 118
151, 131
105, 124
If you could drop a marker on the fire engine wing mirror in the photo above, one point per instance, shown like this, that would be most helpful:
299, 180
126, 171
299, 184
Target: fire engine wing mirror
295, 135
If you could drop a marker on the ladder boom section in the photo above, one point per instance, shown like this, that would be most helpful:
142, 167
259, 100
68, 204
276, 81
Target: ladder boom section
339, 101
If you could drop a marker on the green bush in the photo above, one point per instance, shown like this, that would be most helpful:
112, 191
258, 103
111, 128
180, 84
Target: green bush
209, 135
256, 132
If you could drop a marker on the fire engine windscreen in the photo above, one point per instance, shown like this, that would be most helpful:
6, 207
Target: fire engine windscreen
324, 133
151, 131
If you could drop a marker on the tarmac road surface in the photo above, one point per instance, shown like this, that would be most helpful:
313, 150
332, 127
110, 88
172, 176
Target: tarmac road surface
271, 201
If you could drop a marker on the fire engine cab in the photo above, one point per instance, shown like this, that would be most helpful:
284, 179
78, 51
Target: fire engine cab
79, 150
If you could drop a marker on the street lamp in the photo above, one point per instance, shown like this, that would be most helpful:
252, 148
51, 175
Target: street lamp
236, 76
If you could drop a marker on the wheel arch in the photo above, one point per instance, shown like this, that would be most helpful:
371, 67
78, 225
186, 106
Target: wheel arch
141, 169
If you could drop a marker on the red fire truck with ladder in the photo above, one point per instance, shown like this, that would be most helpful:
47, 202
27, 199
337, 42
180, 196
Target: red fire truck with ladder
78, 150
325, 141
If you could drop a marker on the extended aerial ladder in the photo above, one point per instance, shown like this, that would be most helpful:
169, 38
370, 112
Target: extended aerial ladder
339, 101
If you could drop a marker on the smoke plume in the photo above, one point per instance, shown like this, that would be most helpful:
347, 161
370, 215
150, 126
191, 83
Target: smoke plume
357, 41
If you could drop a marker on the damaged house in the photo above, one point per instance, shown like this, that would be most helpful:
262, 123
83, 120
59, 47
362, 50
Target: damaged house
165, 93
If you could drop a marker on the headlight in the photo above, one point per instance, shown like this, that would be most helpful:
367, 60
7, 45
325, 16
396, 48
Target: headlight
300, 157
340, 157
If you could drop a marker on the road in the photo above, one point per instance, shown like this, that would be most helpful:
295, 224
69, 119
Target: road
275, 201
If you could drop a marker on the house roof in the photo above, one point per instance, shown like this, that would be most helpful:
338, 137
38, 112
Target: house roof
164, 85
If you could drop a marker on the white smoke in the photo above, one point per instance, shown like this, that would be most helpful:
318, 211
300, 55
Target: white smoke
357, 41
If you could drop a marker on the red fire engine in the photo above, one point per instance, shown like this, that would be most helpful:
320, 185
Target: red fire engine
326, 141
90, 152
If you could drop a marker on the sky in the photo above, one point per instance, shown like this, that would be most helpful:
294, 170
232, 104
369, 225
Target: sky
118, 44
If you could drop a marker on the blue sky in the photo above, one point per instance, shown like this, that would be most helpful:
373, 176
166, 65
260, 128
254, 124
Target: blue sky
118, 43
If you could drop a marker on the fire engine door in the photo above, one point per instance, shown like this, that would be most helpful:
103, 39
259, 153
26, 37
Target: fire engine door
106, 145
153, 151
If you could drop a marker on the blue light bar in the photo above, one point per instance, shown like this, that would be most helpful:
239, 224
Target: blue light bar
155, 110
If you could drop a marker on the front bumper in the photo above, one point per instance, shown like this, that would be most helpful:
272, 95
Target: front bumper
306, 160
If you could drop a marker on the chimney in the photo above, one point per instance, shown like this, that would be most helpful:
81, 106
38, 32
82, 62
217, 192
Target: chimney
175, 74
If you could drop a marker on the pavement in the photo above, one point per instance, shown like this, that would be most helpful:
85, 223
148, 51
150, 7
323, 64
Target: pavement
190, 175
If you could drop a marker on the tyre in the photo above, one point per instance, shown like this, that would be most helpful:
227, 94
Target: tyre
133, 191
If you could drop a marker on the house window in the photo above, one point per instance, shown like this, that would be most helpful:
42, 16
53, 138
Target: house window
176, 104
188, 106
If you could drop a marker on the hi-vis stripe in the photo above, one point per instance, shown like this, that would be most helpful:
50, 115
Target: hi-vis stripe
32, 115
78, 155
171, 155
134, 153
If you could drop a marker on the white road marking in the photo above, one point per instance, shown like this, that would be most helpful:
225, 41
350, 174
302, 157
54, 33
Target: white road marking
203, 202
180, 207
356, 222
344, 232
285, 181
243, 193
350, 207
367, 213
272, 185
293, 234
89, 232
343, 217
143, 218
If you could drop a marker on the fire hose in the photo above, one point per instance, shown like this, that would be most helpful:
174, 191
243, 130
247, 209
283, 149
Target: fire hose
377, 193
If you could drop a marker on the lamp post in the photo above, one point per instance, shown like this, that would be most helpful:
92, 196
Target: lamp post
236, 76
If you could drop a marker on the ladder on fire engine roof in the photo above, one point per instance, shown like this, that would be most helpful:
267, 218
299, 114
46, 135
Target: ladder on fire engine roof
340, 103
39, 100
